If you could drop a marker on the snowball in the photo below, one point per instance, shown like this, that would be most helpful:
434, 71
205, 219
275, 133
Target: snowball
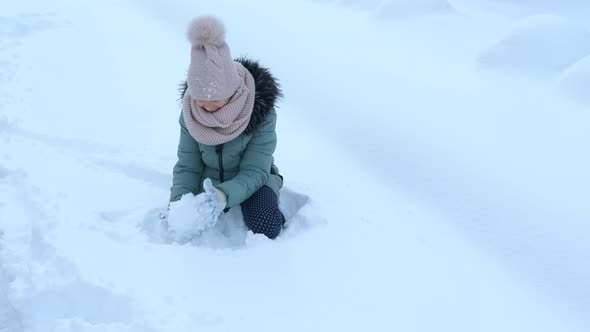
185, 219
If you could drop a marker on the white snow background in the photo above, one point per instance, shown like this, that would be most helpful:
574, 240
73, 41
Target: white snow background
435, 155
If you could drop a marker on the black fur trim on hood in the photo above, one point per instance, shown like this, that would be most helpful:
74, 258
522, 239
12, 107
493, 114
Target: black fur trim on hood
268, 92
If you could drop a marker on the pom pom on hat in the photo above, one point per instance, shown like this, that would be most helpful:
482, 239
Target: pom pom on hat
212, 74
206, 30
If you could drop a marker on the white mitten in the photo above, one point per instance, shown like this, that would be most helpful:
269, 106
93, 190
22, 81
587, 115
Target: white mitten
213, 192
209, 206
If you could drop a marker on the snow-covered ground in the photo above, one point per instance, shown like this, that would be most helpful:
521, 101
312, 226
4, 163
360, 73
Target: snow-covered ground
434, 154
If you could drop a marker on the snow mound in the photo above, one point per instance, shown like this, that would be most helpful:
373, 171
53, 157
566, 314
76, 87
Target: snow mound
365, 4
539, 44
545, 4
575, 80
229, 232
410, 8
9, 318
399, 9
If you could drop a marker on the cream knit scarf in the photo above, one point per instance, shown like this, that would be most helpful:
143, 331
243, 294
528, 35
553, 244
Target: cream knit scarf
226, 123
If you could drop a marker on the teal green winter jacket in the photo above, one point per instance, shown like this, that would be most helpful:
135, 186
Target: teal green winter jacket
241, 166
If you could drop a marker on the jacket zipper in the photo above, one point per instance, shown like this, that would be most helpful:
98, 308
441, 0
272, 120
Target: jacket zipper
219, 150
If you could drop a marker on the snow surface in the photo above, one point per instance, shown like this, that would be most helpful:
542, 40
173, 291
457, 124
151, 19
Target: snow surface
412, 8
423, 192
539, 43
575, 79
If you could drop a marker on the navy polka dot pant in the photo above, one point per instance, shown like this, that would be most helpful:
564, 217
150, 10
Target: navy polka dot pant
261, 213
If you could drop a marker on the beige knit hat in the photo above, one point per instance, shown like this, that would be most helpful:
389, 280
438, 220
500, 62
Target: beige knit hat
212, 74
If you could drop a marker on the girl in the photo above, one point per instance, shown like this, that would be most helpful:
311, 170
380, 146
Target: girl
227, 133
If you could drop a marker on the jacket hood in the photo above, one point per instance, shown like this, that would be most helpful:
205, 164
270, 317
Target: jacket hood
268, 92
